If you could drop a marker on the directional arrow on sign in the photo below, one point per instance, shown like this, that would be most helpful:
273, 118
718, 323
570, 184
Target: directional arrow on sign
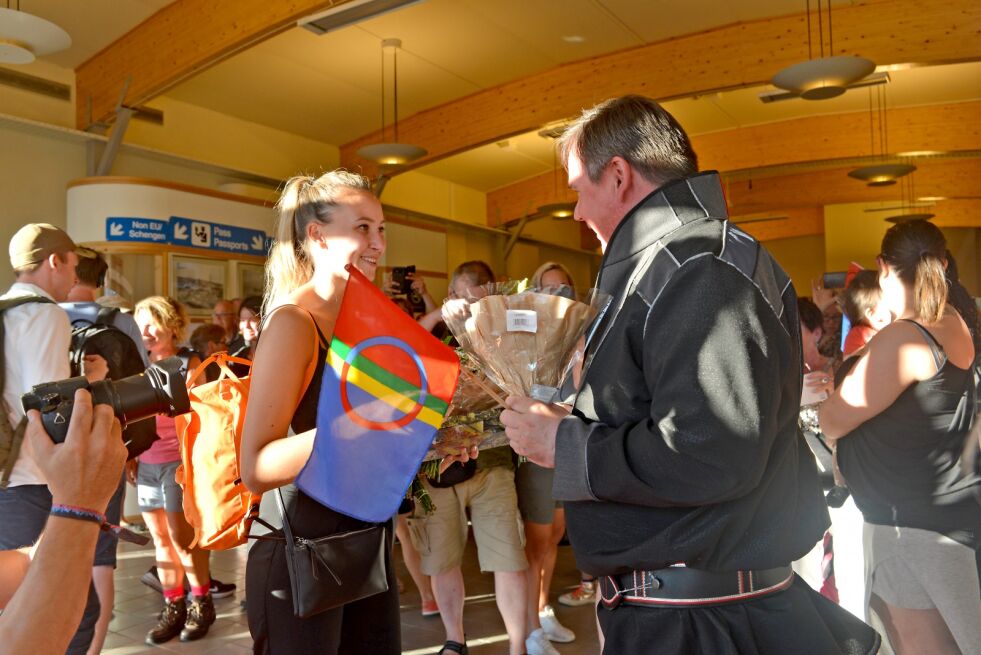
180, 231
115, 230
257, 242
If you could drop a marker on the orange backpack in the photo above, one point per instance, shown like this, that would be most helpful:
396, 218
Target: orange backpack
216, 503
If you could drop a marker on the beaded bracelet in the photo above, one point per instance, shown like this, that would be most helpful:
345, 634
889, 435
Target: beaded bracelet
83, 514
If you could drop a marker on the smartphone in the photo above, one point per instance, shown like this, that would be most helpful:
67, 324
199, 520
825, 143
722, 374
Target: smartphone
400, 277
834, 280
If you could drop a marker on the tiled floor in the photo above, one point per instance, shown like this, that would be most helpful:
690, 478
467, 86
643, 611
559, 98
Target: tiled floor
137, 606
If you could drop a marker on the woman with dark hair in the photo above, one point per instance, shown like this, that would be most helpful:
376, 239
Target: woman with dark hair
248, 326
899, 419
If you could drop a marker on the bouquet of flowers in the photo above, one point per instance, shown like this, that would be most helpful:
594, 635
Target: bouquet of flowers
522, 338
474, 411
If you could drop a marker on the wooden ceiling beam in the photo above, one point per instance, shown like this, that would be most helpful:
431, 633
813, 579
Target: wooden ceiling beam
949, 128
947, 178
791, 222
734, 56
180, 40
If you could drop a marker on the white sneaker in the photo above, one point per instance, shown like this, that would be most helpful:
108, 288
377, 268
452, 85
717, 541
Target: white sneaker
554, 630
538, 644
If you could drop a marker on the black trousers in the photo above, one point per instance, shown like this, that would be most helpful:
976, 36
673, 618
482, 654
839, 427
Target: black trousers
797, 620
369, 626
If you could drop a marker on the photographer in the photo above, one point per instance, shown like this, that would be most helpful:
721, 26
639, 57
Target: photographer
83, 472
36, 340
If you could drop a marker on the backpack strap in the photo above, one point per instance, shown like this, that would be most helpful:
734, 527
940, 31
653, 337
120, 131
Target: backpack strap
14, 436
107, 315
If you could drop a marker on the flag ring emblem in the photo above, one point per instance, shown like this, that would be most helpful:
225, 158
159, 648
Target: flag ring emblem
423, 384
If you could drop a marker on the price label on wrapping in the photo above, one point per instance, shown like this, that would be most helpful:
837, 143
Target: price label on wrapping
522, 320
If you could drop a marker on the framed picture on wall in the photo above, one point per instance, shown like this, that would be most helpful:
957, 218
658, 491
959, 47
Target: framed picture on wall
198, 283
251, 279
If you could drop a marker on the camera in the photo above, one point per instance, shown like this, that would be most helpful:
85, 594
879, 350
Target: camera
160, 389
400, 276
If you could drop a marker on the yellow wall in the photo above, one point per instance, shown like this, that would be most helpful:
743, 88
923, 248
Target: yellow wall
801, 257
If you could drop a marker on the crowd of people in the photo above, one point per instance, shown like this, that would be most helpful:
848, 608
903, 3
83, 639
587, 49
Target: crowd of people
673, 460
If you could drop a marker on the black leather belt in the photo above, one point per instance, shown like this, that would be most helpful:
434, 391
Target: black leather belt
681, 586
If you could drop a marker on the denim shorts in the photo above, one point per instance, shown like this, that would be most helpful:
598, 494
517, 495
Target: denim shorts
156, 488
24, 511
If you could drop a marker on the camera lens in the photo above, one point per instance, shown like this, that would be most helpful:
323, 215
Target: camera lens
159, 390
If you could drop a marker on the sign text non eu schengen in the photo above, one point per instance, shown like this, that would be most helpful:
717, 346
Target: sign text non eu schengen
216, 236
144, 230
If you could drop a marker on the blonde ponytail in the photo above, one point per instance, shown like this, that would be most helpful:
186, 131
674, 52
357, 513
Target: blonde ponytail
304, 200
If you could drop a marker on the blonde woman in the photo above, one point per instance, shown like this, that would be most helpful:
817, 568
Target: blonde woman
324, 224
162, 322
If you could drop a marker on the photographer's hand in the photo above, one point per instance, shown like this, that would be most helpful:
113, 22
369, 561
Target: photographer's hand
83, 471
419, 286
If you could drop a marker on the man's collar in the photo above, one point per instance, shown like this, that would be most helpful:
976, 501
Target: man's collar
664, 210
28, 289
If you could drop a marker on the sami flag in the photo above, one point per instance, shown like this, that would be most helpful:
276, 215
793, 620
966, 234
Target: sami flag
386, 386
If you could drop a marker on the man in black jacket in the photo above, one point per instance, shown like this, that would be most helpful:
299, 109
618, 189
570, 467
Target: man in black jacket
687, 486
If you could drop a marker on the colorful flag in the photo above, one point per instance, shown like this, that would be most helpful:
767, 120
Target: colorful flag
386, 386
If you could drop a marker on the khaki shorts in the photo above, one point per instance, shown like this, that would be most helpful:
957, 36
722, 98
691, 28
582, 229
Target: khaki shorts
441, 537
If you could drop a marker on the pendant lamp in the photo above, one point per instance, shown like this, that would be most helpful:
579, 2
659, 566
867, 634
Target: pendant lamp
391, 154
24, 36
822, 77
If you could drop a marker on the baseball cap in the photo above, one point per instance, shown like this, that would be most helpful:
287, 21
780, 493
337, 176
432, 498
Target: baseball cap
34, 242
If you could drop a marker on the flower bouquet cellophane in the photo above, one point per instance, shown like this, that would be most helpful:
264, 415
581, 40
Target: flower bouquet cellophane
522, 338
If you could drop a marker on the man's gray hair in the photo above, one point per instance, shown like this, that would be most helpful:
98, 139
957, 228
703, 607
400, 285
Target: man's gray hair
635, 128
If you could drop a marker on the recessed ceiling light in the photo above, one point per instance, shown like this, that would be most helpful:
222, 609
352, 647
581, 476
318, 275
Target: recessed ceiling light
931, 198
919, 153
573, 38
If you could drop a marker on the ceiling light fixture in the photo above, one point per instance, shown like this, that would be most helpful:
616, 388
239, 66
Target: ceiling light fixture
350, 13
910, 208
558, 210
887, 173
824, 77
394, 154
24, 37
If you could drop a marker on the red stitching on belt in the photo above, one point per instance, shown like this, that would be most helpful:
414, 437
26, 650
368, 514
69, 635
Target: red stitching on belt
640, 600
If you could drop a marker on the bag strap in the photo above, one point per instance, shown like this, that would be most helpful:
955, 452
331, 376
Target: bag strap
287, 530
222, 360
107, 315
16, 439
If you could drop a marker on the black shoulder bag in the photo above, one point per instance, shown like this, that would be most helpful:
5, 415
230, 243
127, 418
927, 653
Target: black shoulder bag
328, 572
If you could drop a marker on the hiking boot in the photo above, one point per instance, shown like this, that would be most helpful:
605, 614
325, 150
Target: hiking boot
584, 594
200, 616
170, 623
554, 630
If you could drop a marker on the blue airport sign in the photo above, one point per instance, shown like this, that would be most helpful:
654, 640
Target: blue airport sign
216, 236
146, 230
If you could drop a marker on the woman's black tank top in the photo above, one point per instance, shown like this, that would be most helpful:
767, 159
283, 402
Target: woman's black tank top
903, 465
308, 518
